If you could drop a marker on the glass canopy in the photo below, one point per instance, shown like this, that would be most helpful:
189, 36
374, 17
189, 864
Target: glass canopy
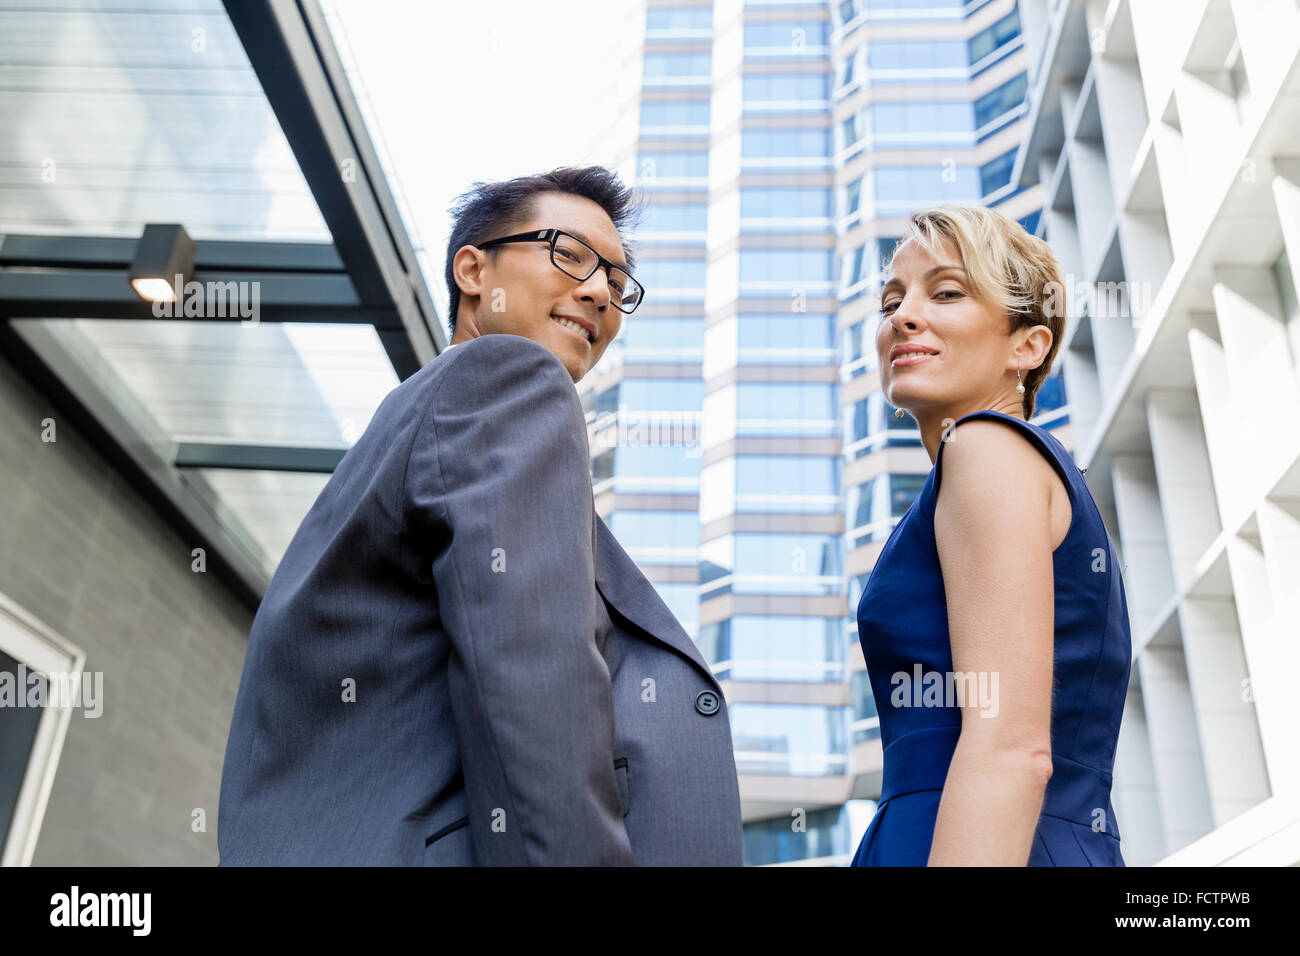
115, 116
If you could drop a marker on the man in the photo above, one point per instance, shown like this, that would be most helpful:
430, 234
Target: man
455, 662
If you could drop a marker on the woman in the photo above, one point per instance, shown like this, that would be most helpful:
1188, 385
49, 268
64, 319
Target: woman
994, 624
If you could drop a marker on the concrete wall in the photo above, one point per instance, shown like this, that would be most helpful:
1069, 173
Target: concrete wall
84, 553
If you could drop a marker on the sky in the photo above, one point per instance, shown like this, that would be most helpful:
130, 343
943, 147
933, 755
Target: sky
458, 91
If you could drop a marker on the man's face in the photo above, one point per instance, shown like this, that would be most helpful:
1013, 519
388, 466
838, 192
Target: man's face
521, 292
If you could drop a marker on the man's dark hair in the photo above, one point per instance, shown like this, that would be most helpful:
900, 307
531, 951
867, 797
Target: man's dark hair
489, 210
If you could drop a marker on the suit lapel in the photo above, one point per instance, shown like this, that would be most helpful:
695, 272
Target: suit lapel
625, 588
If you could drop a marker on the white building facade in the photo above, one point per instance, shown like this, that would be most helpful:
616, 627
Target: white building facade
1166, 136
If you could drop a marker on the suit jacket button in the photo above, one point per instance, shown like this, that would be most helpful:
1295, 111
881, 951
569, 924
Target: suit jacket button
707, 703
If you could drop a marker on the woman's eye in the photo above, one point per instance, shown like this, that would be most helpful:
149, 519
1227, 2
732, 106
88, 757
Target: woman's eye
952, 292
887, 308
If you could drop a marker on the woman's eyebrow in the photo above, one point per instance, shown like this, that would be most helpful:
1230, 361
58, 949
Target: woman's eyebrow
930, 273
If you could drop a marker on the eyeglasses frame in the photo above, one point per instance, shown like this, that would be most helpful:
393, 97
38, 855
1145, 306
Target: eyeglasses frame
551, 235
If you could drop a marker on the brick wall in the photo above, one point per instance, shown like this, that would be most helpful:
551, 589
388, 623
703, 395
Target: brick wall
84, 553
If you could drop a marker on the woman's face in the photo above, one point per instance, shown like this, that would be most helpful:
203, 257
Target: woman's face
938, 345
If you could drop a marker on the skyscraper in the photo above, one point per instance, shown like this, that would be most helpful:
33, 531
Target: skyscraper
742, 450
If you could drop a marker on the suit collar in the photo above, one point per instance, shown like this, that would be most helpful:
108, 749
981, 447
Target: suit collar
625, 588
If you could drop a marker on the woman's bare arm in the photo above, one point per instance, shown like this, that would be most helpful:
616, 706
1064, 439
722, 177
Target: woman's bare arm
992, 531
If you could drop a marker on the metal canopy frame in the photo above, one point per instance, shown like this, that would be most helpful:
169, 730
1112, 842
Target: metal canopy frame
58, 277
291, 51
367, 275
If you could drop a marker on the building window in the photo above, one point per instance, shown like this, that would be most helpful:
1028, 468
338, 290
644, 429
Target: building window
661, 339
774, 647
673, 166
674, 218
793, 739
917, 56
688, 20
41, 681
990, 39
783, 87
657, 537
869, 425
661, 277
788, 266
675, 114
996, 173
790, 38
652, 394
826, 833
901, 189
785, 143
997, 103
785, 202
864, 268
794, 338
755, 409
866, 719
647, 469
871, 510
779, 484
666, 66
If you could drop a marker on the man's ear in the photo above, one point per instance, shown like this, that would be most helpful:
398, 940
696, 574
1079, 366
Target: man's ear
467, 269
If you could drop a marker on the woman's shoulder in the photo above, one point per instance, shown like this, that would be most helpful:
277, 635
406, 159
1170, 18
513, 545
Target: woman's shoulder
991, 448
998, 465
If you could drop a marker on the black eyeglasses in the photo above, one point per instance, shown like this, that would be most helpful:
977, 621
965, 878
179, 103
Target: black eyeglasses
575, 258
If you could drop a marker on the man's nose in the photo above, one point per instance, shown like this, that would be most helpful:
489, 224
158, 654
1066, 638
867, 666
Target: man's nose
596, 287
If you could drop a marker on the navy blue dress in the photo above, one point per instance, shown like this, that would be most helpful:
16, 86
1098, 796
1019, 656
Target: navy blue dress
903, 623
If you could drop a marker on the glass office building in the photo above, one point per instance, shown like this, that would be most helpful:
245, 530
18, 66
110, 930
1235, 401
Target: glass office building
780, 146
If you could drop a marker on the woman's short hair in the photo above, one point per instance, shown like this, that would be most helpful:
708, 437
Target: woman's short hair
1006, 266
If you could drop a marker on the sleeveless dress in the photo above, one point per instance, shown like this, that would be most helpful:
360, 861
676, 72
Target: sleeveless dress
903, 627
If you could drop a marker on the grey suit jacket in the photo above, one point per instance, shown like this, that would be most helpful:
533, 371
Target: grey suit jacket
456, 663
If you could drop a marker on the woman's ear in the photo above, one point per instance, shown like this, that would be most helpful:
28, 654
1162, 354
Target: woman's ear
1035, 343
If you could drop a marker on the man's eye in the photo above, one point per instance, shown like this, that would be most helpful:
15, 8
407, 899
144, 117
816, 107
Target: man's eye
566, 252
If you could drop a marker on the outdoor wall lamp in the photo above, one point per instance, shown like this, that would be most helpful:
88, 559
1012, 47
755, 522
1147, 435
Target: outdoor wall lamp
164, 260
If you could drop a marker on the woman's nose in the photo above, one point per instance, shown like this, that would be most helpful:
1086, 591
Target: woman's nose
906, 317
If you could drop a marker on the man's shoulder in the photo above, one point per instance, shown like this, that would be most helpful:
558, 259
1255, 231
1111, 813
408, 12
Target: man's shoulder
484, 368
500, 347
502, 369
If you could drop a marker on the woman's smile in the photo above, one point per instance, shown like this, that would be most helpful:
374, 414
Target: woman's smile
911, 358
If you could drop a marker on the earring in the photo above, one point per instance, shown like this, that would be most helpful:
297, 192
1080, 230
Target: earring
898, 413
1020, 386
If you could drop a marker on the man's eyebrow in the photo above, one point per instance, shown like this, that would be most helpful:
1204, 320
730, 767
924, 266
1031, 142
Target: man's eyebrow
578, 235
929, 274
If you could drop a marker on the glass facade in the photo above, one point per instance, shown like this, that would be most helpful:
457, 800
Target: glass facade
925, 124
786, 481
113, 124
776, 648
794, 484
808, 836
792, 739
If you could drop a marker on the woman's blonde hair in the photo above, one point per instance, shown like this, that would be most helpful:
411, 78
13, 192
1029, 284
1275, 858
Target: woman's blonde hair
1006, 266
